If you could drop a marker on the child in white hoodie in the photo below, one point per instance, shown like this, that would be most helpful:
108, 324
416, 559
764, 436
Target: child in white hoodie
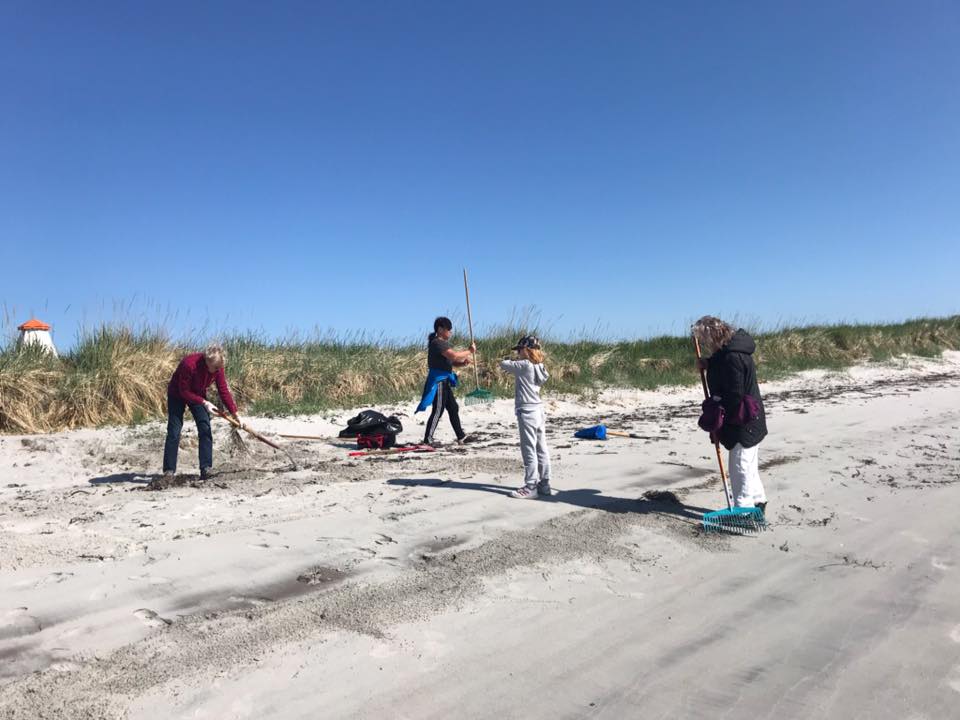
530, 376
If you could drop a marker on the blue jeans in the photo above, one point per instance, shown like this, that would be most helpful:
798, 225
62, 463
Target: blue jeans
175, 408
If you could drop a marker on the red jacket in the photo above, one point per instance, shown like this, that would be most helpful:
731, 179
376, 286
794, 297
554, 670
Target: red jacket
192, 378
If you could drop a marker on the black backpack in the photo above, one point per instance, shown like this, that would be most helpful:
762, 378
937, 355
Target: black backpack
373, 429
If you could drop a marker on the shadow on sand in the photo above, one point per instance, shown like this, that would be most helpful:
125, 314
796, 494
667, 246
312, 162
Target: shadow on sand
661, 502
137, 478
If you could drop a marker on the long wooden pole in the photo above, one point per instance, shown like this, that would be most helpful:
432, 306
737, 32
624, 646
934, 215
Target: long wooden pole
716, 445
255, 434
466, 290
304, 437
617, 433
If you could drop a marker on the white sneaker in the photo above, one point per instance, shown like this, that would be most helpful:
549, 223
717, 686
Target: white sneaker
544, 489
524, 493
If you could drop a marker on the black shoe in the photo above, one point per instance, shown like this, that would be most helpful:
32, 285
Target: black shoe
434, 443
206, 473
468, 438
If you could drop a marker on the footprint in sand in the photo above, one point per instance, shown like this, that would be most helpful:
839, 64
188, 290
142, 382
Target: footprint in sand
54, 578
150, 579
151, 619
919, 539
434, 645
382, 650
940, 563
51, 579
17, 623
64, 666
955, 634
267, 546
248, 600
70, 633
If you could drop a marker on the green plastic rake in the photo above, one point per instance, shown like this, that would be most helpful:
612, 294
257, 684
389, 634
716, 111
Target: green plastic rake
734, 520
479, 395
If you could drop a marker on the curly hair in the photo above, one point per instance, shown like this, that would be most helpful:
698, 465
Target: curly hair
712, 332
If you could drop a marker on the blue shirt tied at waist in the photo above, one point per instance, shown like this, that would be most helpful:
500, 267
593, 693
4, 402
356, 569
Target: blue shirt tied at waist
434, 378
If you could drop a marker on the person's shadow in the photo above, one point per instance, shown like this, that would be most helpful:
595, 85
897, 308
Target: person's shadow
146, 478
661, 502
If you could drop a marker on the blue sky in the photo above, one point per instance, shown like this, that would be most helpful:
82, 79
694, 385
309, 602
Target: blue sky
623, 167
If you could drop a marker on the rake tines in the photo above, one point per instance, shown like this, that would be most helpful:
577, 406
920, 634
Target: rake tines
736, 521
237, 444
480, 395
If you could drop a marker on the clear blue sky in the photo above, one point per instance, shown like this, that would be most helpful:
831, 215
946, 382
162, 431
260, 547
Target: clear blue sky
622, 165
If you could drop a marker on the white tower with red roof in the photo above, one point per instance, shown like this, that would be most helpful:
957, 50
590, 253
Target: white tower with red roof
35, 332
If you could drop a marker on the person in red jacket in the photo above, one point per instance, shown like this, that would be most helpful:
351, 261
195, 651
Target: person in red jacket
188, 387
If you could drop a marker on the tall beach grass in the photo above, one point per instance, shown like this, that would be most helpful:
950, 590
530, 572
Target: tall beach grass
118, 375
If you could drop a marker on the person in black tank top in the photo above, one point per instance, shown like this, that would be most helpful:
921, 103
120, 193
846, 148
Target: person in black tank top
442, 356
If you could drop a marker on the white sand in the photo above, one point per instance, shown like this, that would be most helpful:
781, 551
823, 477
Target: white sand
426, 593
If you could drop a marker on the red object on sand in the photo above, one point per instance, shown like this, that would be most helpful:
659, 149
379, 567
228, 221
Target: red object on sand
393, 450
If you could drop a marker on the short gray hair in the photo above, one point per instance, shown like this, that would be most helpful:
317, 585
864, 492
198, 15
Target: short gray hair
215, 354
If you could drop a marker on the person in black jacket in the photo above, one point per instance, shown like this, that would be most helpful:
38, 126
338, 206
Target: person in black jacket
732, 378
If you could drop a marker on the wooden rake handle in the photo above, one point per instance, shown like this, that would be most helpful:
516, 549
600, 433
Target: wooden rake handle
466, 291
703, 375
307, 437
716, 445
255, 434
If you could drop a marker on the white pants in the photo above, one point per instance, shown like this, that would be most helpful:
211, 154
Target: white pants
745, 476
533, 445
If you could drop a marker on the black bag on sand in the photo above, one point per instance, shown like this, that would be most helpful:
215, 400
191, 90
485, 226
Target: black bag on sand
373, 429
358, 423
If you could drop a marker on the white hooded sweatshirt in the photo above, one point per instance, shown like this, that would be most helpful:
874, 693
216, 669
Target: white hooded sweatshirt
529, 379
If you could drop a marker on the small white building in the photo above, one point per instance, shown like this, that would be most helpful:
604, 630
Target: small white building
35, 332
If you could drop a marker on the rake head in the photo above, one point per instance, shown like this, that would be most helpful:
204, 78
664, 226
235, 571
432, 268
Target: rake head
737, 521
479, 396
237, 444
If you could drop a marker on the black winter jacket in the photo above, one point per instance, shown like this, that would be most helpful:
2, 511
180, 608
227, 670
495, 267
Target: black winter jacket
731, 374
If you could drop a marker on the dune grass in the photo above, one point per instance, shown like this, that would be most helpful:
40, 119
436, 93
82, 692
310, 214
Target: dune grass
116, 375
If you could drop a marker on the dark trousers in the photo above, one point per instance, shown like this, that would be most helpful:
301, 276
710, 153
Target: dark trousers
175, 408
443, 400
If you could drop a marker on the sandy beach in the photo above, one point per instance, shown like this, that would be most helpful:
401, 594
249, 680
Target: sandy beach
313, 585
